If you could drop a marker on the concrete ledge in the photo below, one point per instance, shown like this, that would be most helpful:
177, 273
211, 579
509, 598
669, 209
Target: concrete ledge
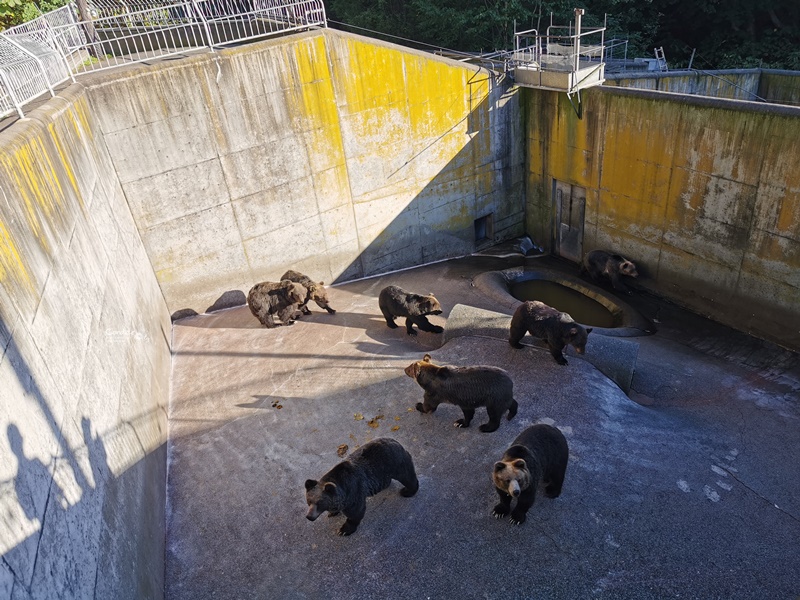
613, 357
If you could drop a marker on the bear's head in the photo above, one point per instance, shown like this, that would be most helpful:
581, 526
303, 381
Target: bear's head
511, 475
626, 267
577, 336
428, 305
414, 369
318, 294
574, 333
320, 497
295, 292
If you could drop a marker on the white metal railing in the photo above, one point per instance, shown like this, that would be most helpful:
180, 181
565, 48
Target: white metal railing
41, 54
575, 52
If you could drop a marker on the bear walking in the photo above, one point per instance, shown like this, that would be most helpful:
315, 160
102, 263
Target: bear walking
282, 299
369, 470
466, 387
602, 265
538, 455
315, 291
557, 328
395, 302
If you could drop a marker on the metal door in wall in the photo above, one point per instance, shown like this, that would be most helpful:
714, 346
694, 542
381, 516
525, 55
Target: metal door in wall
570, 207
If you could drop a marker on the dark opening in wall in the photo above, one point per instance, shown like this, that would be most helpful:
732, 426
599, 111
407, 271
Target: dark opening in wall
484, 229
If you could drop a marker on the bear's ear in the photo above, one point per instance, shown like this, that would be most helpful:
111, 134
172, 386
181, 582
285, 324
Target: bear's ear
321, 283
588, 331
310, 484
426, 358
329, 488
573, 331
520, 464
412, 370
499, 466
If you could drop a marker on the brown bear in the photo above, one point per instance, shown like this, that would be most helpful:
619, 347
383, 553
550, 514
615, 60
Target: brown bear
537, 456
369, 470
316, 291
466, 387
602, 266
545, 322
270, 298
395, 302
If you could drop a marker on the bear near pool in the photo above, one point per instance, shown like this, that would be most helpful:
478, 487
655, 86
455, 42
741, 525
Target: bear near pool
315, 291
466, 387
370, 469
538, 456
556, 328
604, 266
395, 302
282, 299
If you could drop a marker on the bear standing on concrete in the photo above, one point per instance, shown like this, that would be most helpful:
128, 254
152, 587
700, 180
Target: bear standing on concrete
466, 387
282, 299
395, 302
545, 322
602, 265
316, 291
537, 456
369, 470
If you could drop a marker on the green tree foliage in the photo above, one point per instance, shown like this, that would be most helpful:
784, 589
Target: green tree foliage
15, 12
723, 33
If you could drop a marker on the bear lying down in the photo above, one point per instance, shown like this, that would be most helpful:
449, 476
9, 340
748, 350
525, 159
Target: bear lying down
538, 456
370, 469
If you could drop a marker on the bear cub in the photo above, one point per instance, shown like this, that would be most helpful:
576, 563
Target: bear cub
538, 456
466, 387
282, 299
370, 469
395, 302
556, 328
604, 266
316, 291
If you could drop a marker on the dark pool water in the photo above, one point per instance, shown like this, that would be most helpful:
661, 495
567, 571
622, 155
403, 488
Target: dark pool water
581, 308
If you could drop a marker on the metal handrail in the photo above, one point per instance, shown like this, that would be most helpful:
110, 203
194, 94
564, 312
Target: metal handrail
37, 56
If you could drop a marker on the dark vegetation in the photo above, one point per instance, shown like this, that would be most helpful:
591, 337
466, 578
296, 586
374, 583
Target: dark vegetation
726, 34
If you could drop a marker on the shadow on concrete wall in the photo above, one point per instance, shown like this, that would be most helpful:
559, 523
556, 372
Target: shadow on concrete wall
474, 201
81, 526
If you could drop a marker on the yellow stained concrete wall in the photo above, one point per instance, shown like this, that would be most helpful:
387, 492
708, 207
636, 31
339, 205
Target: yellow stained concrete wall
739, 84
84, 369
324, 152
703, 194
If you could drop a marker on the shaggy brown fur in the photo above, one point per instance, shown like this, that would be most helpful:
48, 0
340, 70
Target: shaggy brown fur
316, 291
370, 469
604, 266
282, 299
545, 322
538, 456
395, 302
467, 388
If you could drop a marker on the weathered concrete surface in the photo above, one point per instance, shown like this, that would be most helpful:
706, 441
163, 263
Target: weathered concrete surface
84, 370
701, 193
693, 495
322, 151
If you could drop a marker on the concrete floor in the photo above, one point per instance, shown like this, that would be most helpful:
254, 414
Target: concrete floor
691, 491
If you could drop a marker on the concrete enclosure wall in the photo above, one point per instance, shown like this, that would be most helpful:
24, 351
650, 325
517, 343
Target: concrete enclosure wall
84, 369
704, 194
327, 153
770, 85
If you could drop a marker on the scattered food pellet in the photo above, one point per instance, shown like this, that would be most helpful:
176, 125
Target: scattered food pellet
359, 417
342, 450
396, 427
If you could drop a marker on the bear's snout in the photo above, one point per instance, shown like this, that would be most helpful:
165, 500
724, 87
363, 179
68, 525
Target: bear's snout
312, 513
513, 489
